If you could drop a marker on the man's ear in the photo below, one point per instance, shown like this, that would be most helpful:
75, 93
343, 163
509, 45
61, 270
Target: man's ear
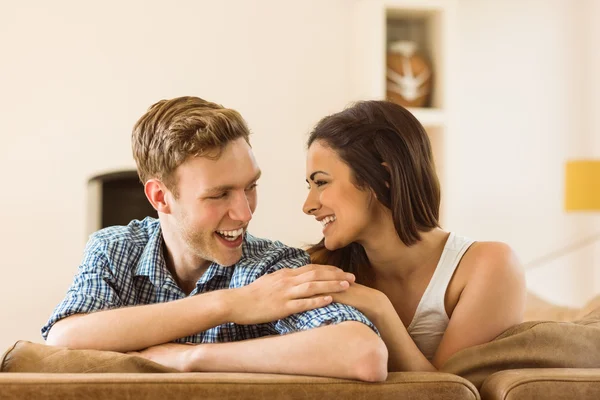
387, 166
158, 195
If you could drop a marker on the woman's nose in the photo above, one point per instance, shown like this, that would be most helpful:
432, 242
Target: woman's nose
311, 204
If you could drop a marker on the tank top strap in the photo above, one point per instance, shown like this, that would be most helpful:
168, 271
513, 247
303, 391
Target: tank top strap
432, 303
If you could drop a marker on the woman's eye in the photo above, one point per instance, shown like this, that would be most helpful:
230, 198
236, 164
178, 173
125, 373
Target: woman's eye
317, 184
252, 187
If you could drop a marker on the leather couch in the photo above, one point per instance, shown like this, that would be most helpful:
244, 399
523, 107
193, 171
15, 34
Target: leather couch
554, 358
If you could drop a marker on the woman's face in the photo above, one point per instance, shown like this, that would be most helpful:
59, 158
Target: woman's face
344, 210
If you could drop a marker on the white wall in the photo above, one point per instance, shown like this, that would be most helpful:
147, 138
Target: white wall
75, 76
520, 96
591, 29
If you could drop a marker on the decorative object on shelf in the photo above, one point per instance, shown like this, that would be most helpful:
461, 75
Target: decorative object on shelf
408, 75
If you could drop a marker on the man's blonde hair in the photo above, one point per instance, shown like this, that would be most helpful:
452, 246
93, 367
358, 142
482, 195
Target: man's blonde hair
173, 130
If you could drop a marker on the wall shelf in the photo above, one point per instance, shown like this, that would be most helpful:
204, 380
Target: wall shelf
426, 22
429, 117
417, 7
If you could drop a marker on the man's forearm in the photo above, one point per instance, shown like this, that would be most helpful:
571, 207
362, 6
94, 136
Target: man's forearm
134, 328
348, 350
269, 298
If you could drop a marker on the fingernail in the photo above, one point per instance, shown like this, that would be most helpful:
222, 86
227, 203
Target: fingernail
344, 284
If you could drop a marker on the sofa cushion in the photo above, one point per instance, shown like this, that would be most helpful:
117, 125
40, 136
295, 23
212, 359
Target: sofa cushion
223, 386
538, 309
121, 379
562, 383
25, 356
533, 344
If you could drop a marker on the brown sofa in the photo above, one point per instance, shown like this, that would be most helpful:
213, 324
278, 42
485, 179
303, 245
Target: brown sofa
536, 359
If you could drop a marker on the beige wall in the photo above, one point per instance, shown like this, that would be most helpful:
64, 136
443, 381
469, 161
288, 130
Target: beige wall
524, 105
591, 29
75, 77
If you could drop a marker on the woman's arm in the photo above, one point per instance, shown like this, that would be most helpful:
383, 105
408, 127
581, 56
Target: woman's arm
492, 301
404, 355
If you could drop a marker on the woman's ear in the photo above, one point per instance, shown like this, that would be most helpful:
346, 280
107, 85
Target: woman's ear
373, 196
387, 167
158, 195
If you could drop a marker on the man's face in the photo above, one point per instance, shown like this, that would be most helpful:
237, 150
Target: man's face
216, 201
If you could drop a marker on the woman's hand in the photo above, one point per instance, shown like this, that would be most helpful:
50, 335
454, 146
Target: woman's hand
173, 355
371, 302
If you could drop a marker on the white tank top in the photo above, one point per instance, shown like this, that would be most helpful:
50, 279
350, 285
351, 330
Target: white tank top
430, 320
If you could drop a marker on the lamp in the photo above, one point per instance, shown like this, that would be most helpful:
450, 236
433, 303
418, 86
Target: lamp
582, 185
582, 193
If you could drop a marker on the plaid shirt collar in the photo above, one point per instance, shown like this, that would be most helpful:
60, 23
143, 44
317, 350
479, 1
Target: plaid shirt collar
152, 264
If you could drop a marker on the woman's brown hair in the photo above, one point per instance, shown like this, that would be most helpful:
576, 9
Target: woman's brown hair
388, 152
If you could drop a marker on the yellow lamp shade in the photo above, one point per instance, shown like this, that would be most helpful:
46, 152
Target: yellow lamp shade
582, 186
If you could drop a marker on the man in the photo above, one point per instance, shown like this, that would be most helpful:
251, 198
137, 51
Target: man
195, 276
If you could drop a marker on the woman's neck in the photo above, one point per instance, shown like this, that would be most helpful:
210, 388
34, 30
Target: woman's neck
392, 259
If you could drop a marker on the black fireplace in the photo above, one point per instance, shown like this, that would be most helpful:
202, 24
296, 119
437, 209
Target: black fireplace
116, 198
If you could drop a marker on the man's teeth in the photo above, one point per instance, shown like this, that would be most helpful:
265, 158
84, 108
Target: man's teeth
327, 220
231, 235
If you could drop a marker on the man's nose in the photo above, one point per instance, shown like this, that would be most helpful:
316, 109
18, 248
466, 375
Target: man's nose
240, 209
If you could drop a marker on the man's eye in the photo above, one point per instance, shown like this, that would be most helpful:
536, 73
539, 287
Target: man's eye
220, 196
252, 187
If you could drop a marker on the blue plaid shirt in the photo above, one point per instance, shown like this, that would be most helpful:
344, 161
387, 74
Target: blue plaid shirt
124, 266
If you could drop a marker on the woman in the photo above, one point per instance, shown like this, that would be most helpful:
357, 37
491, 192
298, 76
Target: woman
431, 293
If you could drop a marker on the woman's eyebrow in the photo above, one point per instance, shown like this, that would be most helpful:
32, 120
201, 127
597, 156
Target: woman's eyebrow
312, 176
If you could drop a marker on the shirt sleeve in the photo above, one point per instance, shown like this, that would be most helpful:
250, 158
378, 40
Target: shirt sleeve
331, 314
92, 288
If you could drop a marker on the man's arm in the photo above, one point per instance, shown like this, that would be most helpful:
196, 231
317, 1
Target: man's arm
131, 328
349, 350
271, 297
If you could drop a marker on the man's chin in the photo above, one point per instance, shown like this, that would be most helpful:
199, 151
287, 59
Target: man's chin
228, 260
225, 255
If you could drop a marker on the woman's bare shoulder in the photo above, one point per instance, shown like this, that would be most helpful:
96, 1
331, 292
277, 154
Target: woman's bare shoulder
491, 260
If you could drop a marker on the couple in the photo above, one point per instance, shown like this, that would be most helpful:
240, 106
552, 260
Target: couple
386, 289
